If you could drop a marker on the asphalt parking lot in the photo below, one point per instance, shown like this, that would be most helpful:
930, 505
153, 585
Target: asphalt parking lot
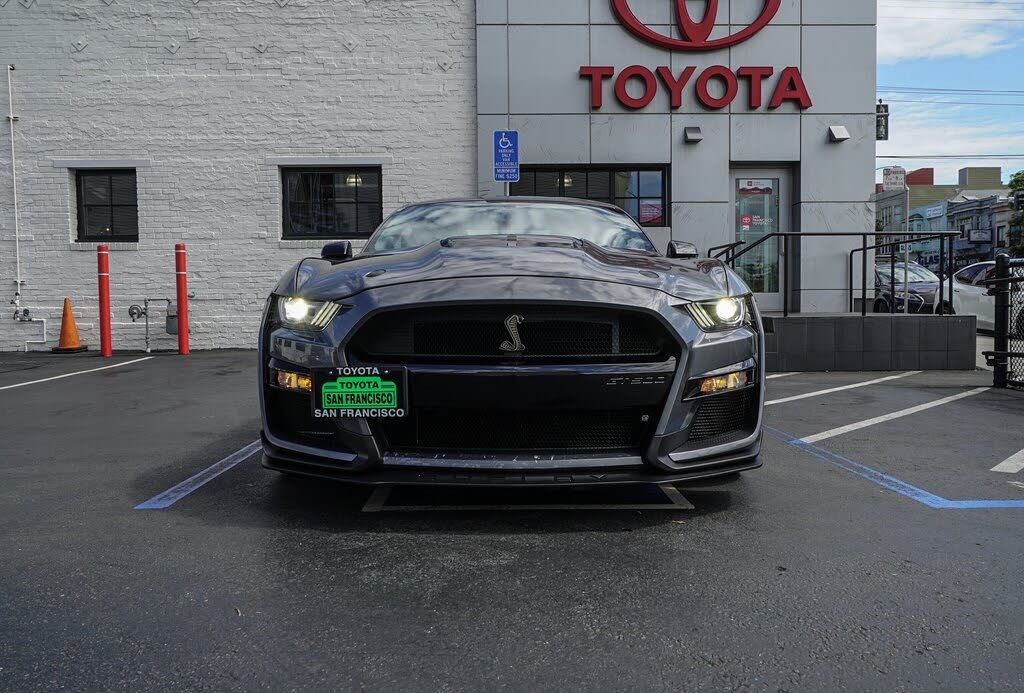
144, 546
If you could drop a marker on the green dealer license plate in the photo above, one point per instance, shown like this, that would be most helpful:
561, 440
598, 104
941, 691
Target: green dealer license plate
367, 392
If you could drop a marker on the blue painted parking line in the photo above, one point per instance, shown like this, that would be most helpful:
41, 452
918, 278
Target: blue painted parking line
886, 481
179, 491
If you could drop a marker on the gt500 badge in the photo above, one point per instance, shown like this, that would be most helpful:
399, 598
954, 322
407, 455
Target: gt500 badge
366, 392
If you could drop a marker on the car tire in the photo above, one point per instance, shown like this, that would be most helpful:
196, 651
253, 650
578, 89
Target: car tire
881, 307
947, 309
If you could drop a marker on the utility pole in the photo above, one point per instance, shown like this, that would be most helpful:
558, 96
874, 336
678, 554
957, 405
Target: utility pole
906, 254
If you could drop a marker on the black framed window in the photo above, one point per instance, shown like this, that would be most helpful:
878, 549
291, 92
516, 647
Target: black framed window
331, 202
108, 206
641, 191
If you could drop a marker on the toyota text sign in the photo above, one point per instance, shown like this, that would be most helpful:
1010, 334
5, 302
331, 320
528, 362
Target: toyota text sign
714, 87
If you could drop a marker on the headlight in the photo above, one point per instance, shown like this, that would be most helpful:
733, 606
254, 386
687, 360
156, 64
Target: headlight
296, 311
720, 314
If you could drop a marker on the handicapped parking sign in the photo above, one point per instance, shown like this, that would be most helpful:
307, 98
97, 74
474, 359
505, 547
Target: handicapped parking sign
506, 156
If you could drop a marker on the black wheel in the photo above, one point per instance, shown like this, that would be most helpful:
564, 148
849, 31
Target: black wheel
947, 309
881, 307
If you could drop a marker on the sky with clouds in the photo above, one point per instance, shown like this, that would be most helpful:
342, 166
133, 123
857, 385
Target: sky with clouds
975, 45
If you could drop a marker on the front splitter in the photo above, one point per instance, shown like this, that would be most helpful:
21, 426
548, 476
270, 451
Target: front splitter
298, 464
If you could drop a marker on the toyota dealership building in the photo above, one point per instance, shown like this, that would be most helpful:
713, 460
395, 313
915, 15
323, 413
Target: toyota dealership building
254, 131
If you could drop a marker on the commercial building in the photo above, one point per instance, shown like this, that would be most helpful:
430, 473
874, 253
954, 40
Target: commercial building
891, 206
255, 130
977, 206
983, 220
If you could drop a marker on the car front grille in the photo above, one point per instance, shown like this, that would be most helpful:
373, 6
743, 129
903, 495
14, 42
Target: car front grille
516, 431
724, 418
464, 334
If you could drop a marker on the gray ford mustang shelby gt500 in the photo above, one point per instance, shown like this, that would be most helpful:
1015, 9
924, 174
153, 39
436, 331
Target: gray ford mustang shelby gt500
508, 342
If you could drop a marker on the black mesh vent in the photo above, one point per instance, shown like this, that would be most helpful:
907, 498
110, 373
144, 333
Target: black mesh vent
723, 418
534, 431
290, 418
481, 333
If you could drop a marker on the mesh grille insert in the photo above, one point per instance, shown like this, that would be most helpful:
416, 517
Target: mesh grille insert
725, 417
486, 333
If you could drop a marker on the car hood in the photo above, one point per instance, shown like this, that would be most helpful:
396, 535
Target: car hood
509, 256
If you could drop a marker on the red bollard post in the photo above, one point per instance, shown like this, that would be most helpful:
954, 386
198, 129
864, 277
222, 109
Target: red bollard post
103, 269
182, 278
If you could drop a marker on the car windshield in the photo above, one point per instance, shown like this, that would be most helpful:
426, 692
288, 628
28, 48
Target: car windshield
914, 273
421, 224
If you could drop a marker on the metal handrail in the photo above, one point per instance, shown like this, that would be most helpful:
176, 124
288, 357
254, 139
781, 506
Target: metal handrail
892, 271
728, 248
731, 257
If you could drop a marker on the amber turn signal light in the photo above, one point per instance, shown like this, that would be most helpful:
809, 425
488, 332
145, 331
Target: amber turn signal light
722, 383
294, 381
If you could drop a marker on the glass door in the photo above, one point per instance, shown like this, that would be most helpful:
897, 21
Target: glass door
760, 199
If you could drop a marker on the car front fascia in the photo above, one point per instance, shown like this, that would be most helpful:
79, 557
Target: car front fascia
700, 352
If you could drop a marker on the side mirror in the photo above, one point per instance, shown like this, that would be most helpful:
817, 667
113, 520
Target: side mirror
339, 251
681, 250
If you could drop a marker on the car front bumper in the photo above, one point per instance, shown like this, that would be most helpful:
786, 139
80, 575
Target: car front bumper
354, 450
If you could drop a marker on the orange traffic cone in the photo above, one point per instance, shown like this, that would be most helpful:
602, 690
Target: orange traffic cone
69, 343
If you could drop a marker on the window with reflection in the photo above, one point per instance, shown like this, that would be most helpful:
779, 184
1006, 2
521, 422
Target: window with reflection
108, 208
641, 192
331, 202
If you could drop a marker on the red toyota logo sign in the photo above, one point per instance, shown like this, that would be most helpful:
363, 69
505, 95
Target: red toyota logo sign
696, 36
715, 87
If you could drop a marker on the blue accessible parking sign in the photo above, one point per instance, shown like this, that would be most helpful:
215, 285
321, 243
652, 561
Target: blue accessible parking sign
506, 156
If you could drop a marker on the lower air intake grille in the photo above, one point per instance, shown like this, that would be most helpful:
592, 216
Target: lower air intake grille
724, 418
480, 431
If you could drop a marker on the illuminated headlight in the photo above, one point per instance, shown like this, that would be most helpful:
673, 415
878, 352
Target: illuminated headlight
720, 314
296, 311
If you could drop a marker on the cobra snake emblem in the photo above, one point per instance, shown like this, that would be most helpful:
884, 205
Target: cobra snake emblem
516, 345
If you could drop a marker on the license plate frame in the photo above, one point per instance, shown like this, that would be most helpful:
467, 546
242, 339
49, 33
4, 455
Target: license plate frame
366, 392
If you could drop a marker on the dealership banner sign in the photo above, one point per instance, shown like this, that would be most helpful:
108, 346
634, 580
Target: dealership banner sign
715, 87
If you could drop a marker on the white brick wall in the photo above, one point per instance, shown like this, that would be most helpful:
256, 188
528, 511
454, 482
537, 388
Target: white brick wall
209, 93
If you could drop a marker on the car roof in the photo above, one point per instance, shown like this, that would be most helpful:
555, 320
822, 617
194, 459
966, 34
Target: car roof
978, 264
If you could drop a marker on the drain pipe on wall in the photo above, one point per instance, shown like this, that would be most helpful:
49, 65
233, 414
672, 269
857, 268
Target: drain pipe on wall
20, 314
11, 119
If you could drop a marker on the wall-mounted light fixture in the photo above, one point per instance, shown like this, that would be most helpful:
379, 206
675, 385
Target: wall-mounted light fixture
693, 135
838, 133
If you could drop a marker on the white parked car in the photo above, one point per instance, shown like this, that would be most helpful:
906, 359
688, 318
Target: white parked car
970, 297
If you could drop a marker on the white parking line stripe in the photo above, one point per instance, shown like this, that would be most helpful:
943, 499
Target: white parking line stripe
840, 389
1012, 465
68, 375
780, 375
179, 491
889, 417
